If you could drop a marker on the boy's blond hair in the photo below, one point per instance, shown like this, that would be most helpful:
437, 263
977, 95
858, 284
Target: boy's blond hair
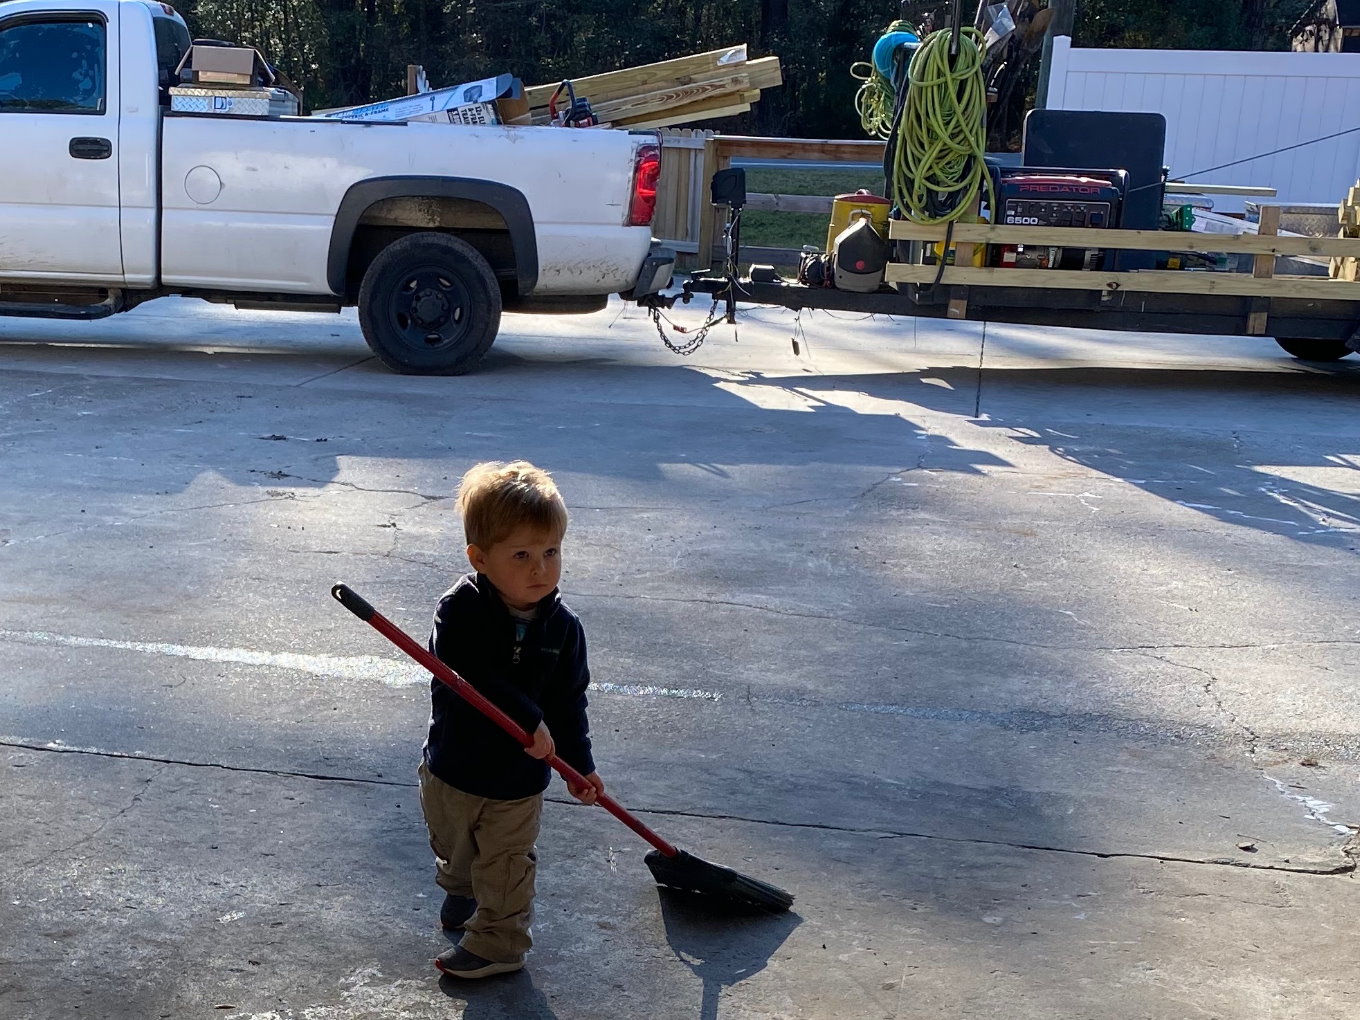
494, 499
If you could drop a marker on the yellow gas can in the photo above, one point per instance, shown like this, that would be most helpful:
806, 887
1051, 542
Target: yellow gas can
844, 208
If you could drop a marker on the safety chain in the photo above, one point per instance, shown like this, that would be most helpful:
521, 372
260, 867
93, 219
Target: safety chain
700, 334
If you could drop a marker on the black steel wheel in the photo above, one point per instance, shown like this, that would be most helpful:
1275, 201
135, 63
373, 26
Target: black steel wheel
429, 305
1315, 350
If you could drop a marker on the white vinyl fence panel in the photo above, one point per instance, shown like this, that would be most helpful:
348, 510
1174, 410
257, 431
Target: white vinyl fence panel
1223, 106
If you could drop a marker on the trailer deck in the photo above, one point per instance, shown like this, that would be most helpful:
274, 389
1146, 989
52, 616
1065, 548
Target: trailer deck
1319, 315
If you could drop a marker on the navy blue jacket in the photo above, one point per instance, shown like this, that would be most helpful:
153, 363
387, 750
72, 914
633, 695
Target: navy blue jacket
541, 678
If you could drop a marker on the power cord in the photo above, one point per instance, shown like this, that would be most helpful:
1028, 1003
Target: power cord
938, 167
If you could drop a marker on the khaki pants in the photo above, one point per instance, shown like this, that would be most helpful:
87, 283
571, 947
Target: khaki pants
484, 848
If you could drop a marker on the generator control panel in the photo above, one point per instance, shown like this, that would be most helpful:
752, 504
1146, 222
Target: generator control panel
1057, 214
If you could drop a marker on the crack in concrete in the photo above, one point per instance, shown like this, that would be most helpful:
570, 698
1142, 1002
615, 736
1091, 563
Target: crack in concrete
1339, 868
810, 502
155, 759
1345, 867
136, 799
1210, 687
334, 371
327, 482
895, 476
1251, 742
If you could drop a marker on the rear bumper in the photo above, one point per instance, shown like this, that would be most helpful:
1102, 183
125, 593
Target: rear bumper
655, 274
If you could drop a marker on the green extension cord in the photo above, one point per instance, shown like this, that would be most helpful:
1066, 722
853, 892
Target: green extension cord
875, 99
938, 170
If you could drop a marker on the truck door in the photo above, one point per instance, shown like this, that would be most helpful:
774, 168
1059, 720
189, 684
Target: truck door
58, 132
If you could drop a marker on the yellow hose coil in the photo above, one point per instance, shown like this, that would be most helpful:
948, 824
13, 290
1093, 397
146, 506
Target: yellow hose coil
942, 137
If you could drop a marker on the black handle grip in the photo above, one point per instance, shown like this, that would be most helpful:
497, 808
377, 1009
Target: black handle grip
348, 598
90, 148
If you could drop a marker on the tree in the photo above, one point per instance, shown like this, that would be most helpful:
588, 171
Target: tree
346, 52
1188, 24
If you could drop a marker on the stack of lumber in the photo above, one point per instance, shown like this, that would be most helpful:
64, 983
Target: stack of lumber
1348, 214
704, 86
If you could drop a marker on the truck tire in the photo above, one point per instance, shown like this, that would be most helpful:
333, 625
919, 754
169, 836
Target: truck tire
1315, 350
429, 305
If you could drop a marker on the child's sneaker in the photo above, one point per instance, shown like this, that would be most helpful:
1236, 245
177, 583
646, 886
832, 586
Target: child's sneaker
458, 962
456, 911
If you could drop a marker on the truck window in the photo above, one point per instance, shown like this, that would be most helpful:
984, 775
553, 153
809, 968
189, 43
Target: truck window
172, 42
52, 67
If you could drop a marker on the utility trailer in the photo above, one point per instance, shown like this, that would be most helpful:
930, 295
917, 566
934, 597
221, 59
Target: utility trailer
1313, 318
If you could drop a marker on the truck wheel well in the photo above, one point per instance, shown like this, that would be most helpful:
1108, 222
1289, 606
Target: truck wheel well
492, 217
392, 218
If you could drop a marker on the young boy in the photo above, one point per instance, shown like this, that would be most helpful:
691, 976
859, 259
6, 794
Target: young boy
506, 631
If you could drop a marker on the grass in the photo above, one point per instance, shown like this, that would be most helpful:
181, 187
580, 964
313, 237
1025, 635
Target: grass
793, 230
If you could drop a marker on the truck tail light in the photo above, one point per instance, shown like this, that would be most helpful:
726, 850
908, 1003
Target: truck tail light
646, 174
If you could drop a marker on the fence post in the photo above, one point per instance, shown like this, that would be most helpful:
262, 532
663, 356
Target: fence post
1059, 27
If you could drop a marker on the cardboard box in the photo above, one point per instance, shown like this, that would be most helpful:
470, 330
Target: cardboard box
230, 65
475, 114
514, 109
488, 90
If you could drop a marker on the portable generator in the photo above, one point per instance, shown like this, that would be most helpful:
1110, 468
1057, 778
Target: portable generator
1046, 197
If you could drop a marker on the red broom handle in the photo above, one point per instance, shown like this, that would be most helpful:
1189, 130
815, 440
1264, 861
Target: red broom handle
348, 598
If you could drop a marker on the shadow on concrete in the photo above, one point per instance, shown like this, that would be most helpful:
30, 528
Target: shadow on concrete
1298, 418
1293, 420
1245, 495
721, 944
504, 997
157, 437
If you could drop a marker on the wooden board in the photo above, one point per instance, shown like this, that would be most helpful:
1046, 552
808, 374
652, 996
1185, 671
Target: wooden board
675, 98
708, 109
674, 118
709, 228
1177, 188
826, 150
765, 73
1347, 267
1165, 282
1263, 268
631, 81
1142, 240
789, 203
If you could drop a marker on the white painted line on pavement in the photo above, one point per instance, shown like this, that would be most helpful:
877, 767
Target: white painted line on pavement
391, 672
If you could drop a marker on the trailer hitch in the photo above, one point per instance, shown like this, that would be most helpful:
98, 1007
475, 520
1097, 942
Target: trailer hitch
728, 188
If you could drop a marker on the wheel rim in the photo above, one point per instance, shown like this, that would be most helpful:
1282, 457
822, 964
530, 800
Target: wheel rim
430, 310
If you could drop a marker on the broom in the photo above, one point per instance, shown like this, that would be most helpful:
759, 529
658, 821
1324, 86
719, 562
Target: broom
670, 866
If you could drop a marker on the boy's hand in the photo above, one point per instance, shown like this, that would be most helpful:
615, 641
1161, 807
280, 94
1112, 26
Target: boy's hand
589, 791
543, 744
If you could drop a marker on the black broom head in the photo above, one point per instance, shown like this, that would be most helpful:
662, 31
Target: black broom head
689, 873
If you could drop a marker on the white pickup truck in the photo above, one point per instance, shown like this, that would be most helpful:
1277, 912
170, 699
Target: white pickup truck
108, 199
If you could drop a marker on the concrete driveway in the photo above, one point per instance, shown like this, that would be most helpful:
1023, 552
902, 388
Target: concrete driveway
1027, 662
